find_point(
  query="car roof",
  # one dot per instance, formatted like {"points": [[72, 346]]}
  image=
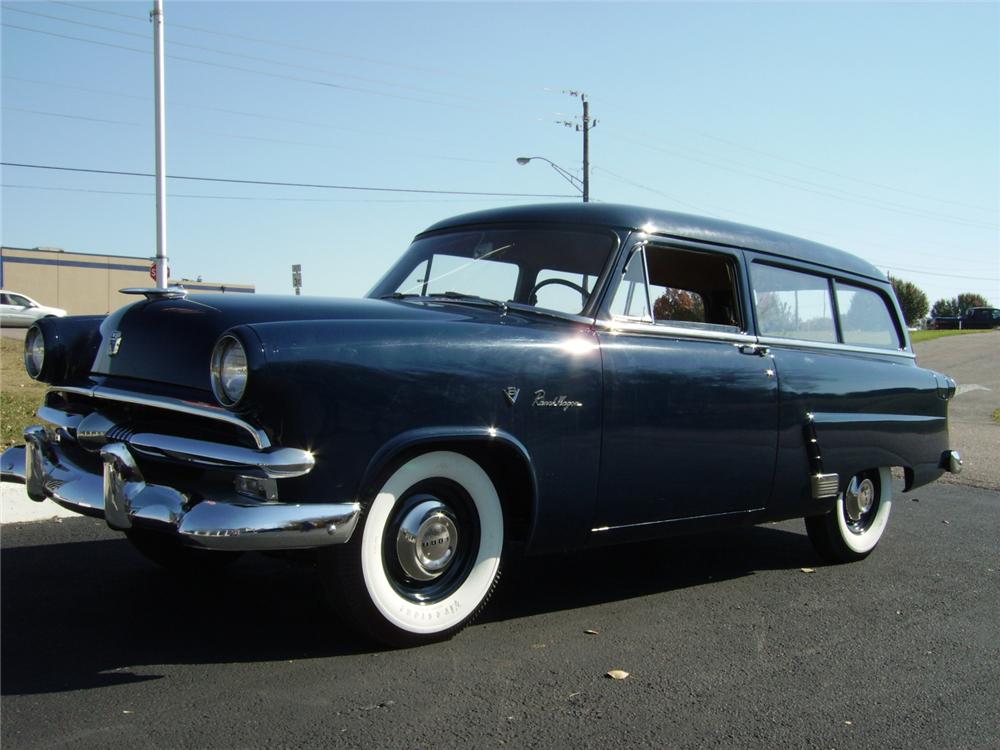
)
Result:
{"points": [[671, 224]]}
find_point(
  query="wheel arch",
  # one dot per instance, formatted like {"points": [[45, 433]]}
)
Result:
{"points": [[504, 458]]}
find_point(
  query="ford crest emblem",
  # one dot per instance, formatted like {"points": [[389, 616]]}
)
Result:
{"points": [[114, 343]]}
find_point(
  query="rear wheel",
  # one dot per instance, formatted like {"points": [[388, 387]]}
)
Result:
{"points": [[856, 524], [426, 557], [168, 553]]}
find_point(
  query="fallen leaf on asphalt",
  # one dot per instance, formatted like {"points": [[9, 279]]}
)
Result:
{"points": [[126, 711], [590, 631], [849, 723], [808, 570], [573, 695], [617, 674]]}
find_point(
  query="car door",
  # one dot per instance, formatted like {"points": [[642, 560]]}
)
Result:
{"points": [[19, 310], [9, 312], [690, 414]]}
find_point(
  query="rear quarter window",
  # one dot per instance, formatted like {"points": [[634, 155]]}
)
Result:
{"points": [[865, 319]]}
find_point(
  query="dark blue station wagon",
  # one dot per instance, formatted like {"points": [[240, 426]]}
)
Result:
{"points": [[533, 379]]}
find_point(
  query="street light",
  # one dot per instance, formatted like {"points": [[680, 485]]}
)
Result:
{"points": [[568, 176]]}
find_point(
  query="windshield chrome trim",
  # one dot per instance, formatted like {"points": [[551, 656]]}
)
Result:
{"points": [[170, 404]]}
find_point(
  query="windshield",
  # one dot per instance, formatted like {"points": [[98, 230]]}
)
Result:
{"points": [[552, 269]]}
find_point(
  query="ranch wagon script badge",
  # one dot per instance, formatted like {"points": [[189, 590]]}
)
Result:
{"points": [[558, 402]]}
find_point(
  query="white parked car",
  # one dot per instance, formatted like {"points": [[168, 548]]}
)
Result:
{"points": [[20, 310]]}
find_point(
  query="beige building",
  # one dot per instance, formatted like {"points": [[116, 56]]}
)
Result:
{"points": [[84, 283]]}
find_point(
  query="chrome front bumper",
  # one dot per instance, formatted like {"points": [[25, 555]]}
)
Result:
{"points": [[118, 492]]}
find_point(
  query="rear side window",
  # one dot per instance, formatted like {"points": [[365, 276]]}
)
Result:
{"points": [[793, 305], [865, 319]]}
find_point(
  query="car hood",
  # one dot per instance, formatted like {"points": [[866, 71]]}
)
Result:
{"points": [[170, 340]]}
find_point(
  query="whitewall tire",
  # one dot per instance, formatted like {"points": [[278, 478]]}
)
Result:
{"points": [[427, 555], [858, 521]]}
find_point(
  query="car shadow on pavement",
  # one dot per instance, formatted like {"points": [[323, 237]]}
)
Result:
{"points": [[93, 613], [537, 585]]}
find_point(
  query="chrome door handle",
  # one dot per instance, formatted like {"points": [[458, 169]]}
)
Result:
{"points": [[758, 349]]}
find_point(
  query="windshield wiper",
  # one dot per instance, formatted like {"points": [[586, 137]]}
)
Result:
{"points": [[399, 295], [463, 297], [457, 296]]}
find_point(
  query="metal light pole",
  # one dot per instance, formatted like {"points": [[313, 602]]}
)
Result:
{"points": [[586, 149], [565, 174], [162, 265]]}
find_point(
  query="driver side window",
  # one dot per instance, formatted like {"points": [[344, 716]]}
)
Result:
{"points": [[680, 288]]}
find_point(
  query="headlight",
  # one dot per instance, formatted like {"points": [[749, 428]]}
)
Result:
{"points": [[34, 352], [229, 370]]}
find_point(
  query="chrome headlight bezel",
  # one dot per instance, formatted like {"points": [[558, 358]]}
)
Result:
{"points": [[34, 352], [229, 370]]}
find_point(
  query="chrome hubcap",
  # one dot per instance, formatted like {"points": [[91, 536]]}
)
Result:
{"points": [[427, 541], [859, 499]]}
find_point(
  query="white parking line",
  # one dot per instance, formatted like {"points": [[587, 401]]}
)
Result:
{"points": [[17, 507]]}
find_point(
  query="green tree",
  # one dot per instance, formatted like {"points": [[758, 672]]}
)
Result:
{"points": [[968, 300], [957, 306], [944, 308], [912, 300]]}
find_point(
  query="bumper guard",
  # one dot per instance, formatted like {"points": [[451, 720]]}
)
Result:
{"points": [[121, 496]]}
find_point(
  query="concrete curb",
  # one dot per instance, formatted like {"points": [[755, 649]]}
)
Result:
{"points": [[17, 507]]}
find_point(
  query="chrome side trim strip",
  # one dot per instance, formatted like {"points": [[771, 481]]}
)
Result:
{"points": [[675, 520], [664, 330], [835, 347], [170, 404]]}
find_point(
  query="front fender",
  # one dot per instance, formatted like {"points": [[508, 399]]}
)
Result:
{"points": [[474, 440]]}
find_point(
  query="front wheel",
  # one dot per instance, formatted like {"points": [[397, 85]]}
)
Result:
{"points": [[426, 557], [856, 524]]}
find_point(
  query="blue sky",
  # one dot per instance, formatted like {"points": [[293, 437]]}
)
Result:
{"points": [[871, 127]]}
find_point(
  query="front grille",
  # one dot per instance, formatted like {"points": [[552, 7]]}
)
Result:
{"points": [[130, 418]]}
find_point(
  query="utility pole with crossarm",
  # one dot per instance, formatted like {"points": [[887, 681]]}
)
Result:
{"points": [[586, 125]]}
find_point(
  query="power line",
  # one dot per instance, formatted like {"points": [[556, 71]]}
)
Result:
{"points": [[823, 190], [276, 183], [268, 199], [256, 58], [893, 267], [833, 238], [841, 175], [224, 66], [263, 40], [230, 134]]}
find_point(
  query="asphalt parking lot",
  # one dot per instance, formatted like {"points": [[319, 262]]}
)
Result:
{"points": [[727, 641], [742, 639]]}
